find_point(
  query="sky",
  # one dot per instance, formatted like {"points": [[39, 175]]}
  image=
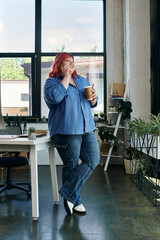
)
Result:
{"points": [[76, 24]]}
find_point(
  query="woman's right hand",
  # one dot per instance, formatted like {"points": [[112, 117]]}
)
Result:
{"points": [[67, 71], [67, 74]]}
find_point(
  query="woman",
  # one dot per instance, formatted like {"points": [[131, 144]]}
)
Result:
{"points": [[71, 128]]}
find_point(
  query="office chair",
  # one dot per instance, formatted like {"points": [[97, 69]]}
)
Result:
{"points": [[13, 161]]}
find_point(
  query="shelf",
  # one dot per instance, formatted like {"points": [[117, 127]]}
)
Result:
{"points": [[105, 155], [113, 126], [115, 118], [113, 112]]}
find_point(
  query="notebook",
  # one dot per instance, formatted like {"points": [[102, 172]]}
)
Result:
{"points": [[8, 136]]}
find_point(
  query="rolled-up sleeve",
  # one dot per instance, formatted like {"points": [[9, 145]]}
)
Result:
{"points": [[54, 91]]}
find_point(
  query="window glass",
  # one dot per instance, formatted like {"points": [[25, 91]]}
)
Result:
{"points": [[17, 24], [89, 67], [15, 86], [74, 26]]}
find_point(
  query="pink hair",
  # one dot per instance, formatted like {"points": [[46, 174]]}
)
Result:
{"points": [[59, 59]]}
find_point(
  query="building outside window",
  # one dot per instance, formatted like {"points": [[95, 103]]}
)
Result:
{"points": [[15, 85]]}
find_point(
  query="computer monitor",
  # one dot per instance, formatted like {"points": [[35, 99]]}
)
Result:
{"points": [[2, 124]]}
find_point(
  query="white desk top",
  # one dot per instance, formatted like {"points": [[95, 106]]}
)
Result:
{"points": [[25, 141]]}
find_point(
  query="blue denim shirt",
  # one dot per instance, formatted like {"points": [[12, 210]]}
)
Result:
{"points": [[70, 111]]}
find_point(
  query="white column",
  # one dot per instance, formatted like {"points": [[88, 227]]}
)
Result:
{"points": [[139, 84], [126, 34]]}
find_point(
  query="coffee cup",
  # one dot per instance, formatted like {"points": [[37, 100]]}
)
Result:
{"points": [[88, 92]]}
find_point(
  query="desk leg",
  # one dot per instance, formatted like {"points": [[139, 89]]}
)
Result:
{"points": [[53, 174], [34, 182]]}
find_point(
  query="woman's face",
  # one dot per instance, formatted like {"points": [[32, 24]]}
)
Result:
{"points": [[69, 62]]}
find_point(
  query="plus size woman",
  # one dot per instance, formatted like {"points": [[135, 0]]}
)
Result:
{"points": [[71, 127]]}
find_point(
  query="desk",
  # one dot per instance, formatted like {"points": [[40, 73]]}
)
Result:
{"points": [[33, 146]]}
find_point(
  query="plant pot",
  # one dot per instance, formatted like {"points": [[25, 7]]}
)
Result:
{"points": [[102, 118], [131, 166], [32, 136], [104, 147], [96, 118]]}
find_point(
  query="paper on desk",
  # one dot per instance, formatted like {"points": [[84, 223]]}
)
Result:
{"points": [[8, 137]]}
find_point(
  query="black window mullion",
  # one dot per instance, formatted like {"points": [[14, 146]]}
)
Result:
{"points": [[36, 85], [32, 86], [88, 54], [12, 55]]}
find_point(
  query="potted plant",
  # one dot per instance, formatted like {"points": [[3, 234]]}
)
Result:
{"points": [[126, 108], [96, 117], [108, 138], [137, 128], [131, 163], [44, 118], [102, 115], [31, 133], [145, 135]]}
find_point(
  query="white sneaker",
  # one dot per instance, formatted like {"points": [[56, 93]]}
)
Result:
{"points": [[68, 206], [80, 209]]}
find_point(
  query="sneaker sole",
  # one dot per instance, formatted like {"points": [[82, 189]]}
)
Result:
{"points": [[79, 212]]}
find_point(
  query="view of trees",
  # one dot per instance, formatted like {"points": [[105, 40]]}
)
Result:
{"points": [[10, 68]]}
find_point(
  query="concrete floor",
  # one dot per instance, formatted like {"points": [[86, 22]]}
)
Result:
{"points": [[116, 210]]}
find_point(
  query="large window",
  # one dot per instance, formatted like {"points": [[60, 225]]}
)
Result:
{"points": [[74, 26], [32, 32], [17, 24]]}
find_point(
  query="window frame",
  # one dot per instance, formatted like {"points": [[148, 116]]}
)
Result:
{"points": [[36, 60]]}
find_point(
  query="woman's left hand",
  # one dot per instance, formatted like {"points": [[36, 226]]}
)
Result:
{"points": [[94, 96]]}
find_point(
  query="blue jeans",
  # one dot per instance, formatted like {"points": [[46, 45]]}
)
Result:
{"points": [[71, 148]]}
